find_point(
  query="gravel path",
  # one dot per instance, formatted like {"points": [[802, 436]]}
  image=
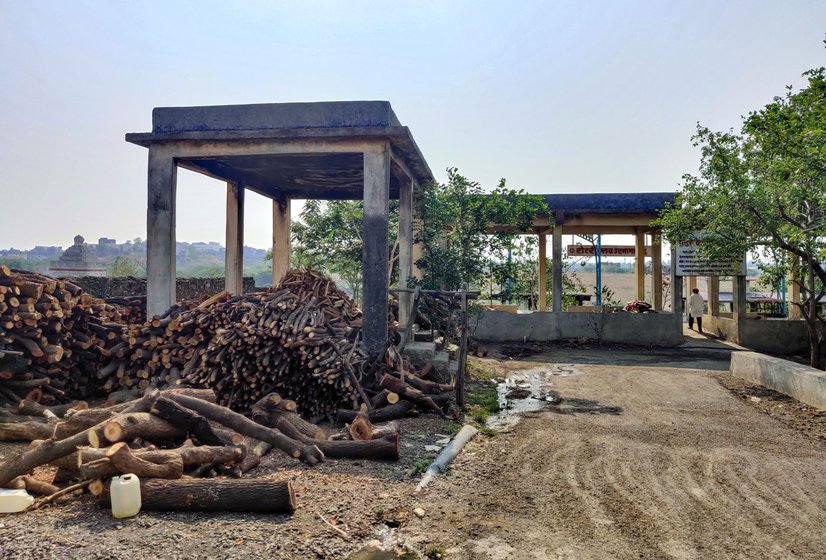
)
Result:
{"points": [[637, 462]]}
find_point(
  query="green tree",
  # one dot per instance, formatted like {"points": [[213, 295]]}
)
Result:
{"points": [[123, 266], [455, 235], [764, 190], [329, 238]]}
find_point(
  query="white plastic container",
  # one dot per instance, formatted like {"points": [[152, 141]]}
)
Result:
{"points": [[126, 495], [13, 501]]}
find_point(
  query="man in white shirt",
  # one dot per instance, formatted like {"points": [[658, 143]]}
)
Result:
{"points": [[695, 310]]}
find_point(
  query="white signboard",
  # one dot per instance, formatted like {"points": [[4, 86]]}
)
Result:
{"points": [[691, 262], [580, 250]]}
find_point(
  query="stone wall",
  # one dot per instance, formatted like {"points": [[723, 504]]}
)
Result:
{"points": [[186, 288]]}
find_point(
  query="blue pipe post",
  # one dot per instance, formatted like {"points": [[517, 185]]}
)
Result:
{"points": [[599, 269]]}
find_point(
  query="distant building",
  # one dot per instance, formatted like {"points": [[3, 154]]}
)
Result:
{"points": [[77, 260]]}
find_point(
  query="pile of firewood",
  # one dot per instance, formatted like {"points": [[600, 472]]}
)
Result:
{"points": [[299, 339], [167, 438], [53, 337]]}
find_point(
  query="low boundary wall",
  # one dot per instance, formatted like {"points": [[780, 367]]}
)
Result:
{"points": [[804, 383], [785, 337], [644, 329], [185, 288]]}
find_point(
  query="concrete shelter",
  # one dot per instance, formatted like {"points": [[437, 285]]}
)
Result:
{"points": [[598, 214], [329, 150]]}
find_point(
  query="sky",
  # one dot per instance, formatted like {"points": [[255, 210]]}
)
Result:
{"points": [[598, 96]]}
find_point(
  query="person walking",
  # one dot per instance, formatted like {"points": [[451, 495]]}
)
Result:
{"points": [[695, 310]]}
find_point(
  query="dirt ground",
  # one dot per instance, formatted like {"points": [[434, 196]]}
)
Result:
{"points": [[640, 453], [636, 462], [357, 496]]}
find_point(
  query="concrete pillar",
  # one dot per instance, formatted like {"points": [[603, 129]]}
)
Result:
{"points": [[405, 247], [676, 292], [160, 230], [234, 255], [280, 238], [714, 296], [557, 268], [692, 283], [793, 311], [543, 272], [639, 265], [375, 279], [739, 305], [657, 271]]}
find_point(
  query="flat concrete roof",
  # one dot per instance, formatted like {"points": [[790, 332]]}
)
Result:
{"points": [[610, 203], [303, 175]]}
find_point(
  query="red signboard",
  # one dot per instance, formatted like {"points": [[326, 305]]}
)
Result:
{"points": [[580, 250]]}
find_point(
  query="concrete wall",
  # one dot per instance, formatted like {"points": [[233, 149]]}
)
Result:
{"points": [[647, 329], [776, 337], [186, 288], [806, 384]]}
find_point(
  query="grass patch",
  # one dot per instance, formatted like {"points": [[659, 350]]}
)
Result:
{"points": [[479, 416], [452, 428], [435, 552], [481, 371], [489, 432], [421, 465], [484, 395]]}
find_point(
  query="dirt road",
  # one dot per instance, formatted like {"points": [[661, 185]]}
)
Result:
{"points": [[637, 462]]}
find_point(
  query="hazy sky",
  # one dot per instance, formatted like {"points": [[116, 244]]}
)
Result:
{"points": [[554, 96]]}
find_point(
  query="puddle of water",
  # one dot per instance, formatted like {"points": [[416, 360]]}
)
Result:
{"points": [[528, 390]]}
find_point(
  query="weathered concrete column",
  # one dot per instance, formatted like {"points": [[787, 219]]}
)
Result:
{"points": [[160, 230], [639, 265], [657, 271], [692, 283], [375, 280], [556, 265], [714, 296], [234, 255], [676, 292], [739, 305], [280, 238], [543, 272], [418, 248], [405, 247]]}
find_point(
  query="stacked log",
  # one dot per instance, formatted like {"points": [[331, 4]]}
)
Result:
{"points": [[53, 338], [299, 339], [164, 435]]}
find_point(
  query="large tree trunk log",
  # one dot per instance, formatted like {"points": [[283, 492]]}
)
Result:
{"points": [[384, 398], [25, 431], [360, 428], [187, 421], [45, 452], [33, 485], [398, 386], [92, 461], [27, 406], [254, 450], [243, 425], [271, 408], [84, 419], [425, 386], [172, 466], [401, 409], [247, 495], [372, 449], [126, 427]]}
